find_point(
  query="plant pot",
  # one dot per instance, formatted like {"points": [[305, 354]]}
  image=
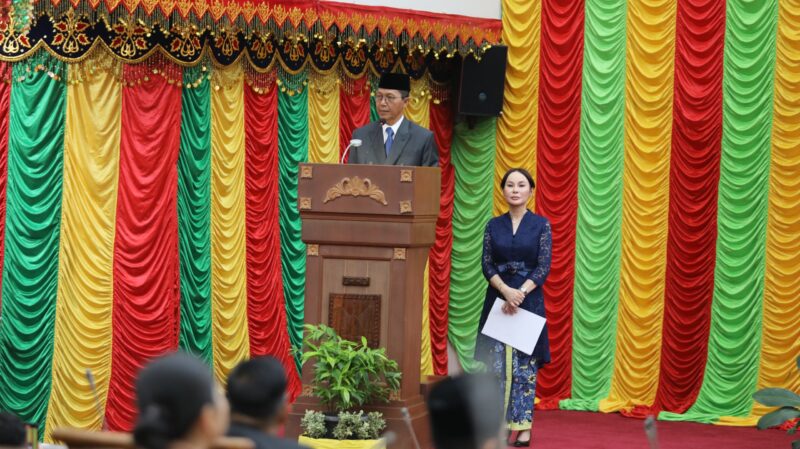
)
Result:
{"points": [[331, 420], [325, 443]]}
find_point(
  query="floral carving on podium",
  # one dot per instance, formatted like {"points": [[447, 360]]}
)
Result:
{"points": [[356, 187]]}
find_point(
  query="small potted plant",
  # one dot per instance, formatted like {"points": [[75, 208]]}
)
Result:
{"points": [[346, 376]]}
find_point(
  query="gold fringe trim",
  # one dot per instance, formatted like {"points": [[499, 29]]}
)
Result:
{"points": [[160, 63]]}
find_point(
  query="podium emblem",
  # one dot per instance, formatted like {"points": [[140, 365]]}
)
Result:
{"points": [[355, 186]]}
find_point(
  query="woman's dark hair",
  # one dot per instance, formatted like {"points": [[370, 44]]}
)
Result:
{"points": [[170, 392], [521, 171]]}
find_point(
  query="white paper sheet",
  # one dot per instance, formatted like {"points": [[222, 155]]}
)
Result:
{"points": [[520, 331]]}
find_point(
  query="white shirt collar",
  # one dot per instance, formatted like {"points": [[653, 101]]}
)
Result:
{"points": [[394, 127]]}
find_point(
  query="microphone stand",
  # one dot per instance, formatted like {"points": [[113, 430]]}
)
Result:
{"points": [[93, 388]]}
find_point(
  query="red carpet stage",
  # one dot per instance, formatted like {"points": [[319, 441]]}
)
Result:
{"points": [[584, 430]]}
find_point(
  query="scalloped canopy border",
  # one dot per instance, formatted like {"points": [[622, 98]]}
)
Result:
{"points": [[326, 33]]}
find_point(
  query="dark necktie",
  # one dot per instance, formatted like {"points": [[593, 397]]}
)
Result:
{"points": [[389, 140]]}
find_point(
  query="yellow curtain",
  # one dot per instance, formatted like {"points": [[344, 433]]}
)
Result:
{"points": [[85, 288], [780, 340], [426, 364], [517, 127], [228, 245], [323, 118], [645, 204], [419, 105]]}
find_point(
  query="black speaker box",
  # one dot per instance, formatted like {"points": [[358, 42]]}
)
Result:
{"points": [[481, 83]]}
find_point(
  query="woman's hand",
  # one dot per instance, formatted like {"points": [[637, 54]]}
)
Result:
{"points": [[513, 296], [508, 309]]}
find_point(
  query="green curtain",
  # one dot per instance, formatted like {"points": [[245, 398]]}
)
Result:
{"points": [[598, 232], [33, 223], [473, 153], [373, 107], [373, 110], [734, 343], [194, 215], [292, 150]]}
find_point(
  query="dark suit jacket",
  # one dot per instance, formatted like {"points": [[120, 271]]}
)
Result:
{"points": [[413, 145], [261, 439]]}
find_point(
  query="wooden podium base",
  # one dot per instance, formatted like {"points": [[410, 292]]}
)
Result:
{"points": [[392, 413]]}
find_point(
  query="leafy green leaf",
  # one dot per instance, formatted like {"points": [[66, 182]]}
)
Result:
{"points": [[348, 373], [777, 397], [778, 417]]}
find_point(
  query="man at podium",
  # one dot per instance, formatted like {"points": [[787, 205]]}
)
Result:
{"points": [[394, 140]]}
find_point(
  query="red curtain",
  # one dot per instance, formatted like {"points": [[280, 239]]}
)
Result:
{"points": [[5, 98], [439, 257], [558, 147], [694, 175], [146, 278], [424, 21], [266, 317], [353, 110]]}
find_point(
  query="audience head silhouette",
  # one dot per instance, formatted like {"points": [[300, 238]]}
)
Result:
{"points": [[12, 430], [257, 391], [466, 412], [179, 404]]}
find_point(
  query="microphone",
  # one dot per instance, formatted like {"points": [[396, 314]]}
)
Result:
{"points": [[355, 143], [407, 420], [650, 431], [386, 440], [93, 387]]}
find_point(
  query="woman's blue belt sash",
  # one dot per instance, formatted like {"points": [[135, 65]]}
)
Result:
{"points": [[520, 268]]}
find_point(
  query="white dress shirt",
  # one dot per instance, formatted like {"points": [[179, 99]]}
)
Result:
{"points": [[394, 127]]}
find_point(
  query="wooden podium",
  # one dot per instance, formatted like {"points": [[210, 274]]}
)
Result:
{"points": [[368, 229]]}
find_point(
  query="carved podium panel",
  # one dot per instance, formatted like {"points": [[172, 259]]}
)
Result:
{"points": [[356, 316], [368, 230]]}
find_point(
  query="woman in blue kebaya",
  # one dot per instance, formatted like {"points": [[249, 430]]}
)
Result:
{"points": [[516, 261]]}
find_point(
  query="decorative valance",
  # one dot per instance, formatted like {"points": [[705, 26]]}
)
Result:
{"points": [[292, 33]]}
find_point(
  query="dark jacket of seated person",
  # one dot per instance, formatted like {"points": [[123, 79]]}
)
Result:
{"points": [[259, 406], [12, 431]]}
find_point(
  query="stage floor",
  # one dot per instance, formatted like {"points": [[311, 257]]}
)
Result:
{"points": [[584, 430]]}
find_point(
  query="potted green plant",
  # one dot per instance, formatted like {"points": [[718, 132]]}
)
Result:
{"points": [[789, 408], [346, 376]]}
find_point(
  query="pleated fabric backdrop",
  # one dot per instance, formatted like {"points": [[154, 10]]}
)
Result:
{"points": [[139, 217]]}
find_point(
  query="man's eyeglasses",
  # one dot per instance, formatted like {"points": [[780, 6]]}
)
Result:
{"points": [[389, 98]]}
